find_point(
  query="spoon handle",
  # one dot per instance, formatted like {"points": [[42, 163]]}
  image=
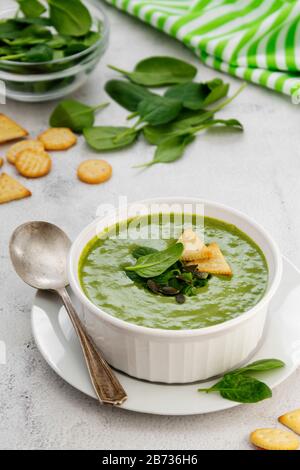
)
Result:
{"points": [[106, 385]]}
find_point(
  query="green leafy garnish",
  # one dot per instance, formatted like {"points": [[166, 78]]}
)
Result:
{"points": [[238, 386], [159, 71], [75, 115], [156, 263], [176, 280]]}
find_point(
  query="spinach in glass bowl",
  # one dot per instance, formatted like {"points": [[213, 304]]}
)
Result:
{"points": [[48, 49]]}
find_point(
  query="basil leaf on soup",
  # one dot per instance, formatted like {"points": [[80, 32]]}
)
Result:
{"points": [[156, 263], [142, 251], [159, 71]]}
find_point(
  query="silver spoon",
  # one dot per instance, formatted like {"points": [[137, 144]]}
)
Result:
{"points": [[39, 252]]}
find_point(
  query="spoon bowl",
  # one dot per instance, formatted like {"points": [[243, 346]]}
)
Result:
{"points": [[39, 252]]}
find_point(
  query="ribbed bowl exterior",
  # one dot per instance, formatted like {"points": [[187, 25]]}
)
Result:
{"points": [[179, 360]]}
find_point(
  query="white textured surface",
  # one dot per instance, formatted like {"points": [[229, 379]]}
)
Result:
{"points": [[257, 172]]}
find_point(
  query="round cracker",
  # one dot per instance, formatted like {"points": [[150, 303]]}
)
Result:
{"points": [[15, 149], [274, 439], [33, 164], [58, 138], [94, 171]]}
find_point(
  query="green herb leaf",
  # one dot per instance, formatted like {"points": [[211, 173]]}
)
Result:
{"points": [[40, 53], [10, 29], [155, 264], [36, 30], [156, 135], [75, 115], [38, 20], [240, 388], [31, 8], [157, 110], [91, 38], [159, 71], [171, 149], [58, 41], [70, 17], [142, 251], [192, 95], [218, 90], [127, 94], [108, 137], [260, 366]]}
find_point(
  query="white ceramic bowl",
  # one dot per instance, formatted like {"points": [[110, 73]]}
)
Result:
{"points": [[178, 356]]}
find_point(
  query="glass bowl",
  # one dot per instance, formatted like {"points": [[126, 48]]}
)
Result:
{"points": [[44, 81]]}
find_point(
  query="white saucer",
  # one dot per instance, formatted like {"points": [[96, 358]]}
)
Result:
{"points": [[59, 346]]}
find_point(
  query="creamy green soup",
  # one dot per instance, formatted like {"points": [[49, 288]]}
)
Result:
{"points": [[106, 284]]}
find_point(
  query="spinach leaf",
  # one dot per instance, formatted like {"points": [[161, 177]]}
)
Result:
{"points": [[195, 96], [36, 30], [108, 137], [170, 150], [91, 38], [70, 17], [260, 366], [127, 94], [31, 8], [156, 135], [159, 71], [40, 53], [58, 41], [240, 388], [37, 20], [74, 48], [157, 110], [192, 95], [75, 115], [155, 264], [218, 90], [10, 29], [142, 251]]}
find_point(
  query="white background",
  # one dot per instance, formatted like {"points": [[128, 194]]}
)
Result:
{"points": [[256, 172]]}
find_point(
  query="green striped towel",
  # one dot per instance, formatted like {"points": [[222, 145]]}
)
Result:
{"points": [[256, 40]]}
